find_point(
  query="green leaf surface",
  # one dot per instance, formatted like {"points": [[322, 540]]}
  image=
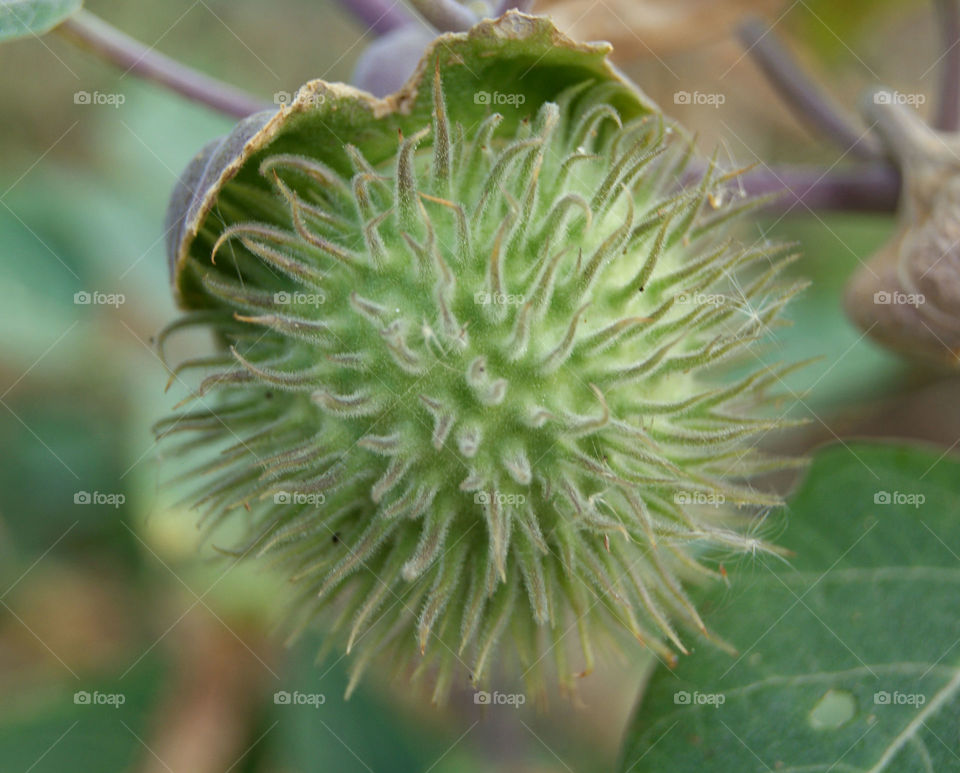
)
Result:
{"points": [[849, 656], [56, 729], [352, 736], [22, 18]]}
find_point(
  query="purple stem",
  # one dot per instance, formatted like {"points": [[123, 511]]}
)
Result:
{"points": [[947, 117], [380, 16], [445, 15], [873, 187], [91, 32], [809, 103]]}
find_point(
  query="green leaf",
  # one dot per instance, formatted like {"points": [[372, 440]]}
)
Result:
{"points": [[22, 18], [50, 729], [849, 657]]}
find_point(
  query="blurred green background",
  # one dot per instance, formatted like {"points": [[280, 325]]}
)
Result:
{"points": [[117, 600]]}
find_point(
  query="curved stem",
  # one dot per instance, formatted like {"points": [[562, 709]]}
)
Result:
{"points": [[807, 100], [947, 116], [89, 31], [380, 16], [445, 15], [873, 187]]}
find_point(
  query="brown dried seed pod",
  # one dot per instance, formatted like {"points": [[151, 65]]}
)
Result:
{"points": [[907, 296]]}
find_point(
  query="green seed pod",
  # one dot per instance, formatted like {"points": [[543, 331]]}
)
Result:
{"points": [[470, 385]]}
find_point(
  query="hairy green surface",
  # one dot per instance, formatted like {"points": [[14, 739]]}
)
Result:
{"points": [[469, 391], [848, 659]]}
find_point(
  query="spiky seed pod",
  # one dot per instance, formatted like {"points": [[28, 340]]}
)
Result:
{"points": [[471, 389]]}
